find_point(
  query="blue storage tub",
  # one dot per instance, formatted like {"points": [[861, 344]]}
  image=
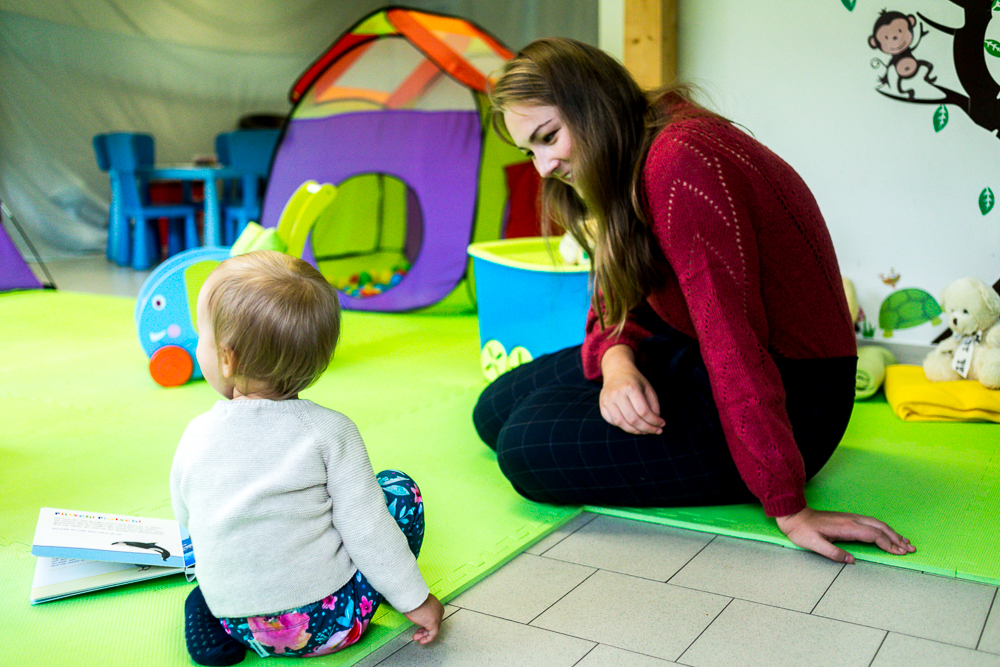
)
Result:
{"points": [[530, 302]]}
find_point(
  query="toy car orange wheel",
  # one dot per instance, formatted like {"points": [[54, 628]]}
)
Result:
{"points": [[171, 366]]}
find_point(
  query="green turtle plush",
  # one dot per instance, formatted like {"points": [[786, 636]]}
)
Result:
{"points": [[907, 308]]}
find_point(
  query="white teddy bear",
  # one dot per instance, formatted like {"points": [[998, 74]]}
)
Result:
{"points": [[972, 310], [571, 251]]}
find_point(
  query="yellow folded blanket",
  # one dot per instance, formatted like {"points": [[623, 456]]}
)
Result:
{"points": [[915, 398], [872, 362]]}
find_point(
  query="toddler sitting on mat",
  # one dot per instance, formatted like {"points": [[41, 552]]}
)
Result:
{"points": [[297, 540]]}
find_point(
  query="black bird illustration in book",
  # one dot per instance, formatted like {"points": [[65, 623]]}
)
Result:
{"points": [[147, 545]]}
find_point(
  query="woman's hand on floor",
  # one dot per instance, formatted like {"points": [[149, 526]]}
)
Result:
{"points": [[428, 619], [627, 399], [816, 530]]}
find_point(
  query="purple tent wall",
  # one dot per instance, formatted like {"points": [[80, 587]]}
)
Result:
{"points": [[14, 271], [436, 153]]}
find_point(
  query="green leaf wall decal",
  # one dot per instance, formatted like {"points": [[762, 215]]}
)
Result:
{"points": [[941, 116], [986, 201], [996, 5], [992, 47], [850, 4]]}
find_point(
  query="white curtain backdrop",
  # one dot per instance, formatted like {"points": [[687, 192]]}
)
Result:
{"points": [[181, 70]]}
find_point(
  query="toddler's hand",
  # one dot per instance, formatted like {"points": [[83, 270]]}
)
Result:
{"points": [[428, 616]]}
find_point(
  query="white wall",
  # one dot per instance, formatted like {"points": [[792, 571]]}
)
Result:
{"points": [[611, 27], [895, 194]]}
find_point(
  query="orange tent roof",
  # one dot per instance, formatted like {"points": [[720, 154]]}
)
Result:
{"points": [[446, 41]]}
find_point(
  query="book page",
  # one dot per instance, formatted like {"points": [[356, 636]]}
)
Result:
{"points": [[73, 531], [50, 571], [61, 577]]}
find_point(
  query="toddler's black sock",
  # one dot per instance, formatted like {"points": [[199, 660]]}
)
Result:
{"points": [[207, 641]]}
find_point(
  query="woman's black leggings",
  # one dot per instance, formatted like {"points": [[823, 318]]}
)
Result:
{"points": [[544, 422]]}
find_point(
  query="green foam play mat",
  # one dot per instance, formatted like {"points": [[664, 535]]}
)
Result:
{"points": [[83, 426]]}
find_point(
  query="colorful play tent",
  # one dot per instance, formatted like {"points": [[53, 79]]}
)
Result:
{"points": [[14, 271], [394, 115]]}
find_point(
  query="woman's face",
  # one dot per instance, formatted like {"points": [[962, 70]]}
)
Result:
{"points": [[541, 134]]}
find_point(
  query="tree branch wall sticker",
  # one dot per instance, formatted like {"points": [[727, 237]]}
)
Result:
{"points": [[986, 201], [897, 35], [893, 35]]}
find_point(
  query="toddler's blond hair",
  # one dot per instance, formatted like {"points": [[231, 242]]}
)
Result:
{"points": [[278, 317]]}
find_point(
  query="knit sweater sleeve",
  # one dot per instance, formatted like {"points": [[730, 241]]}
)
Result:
{"points": [[698, 203], [369, 533], [598, 340]]}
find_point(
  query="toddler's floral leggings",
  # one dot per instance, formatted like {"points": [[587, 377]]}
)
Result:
{"points": [[338, 620]]}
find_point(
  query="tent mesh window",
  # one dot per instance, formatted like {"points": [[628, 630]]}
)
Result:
{"points": [[367, 240]]}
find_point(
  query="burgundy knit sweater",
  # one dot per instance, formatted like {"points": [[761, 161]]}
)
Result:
{"points": [[752, 275]]}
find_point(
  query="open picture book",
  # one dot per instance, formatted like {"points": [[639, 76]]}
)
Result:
{"points": [[79, 552]]}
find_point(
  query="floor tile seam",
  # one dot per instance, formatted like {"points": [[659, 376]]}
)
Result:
{"points": [[625, 650], [553, 546], [401, 646], [828, 587], [678, 658], [584, 656], [572, 532], [563, 596], [535, 627], [624, 574], [688, 561], [885, 632], [694, 641], [827, 618], [652, 579], [593, 517], [448, 613], [938, 641], [742, 599], [880, 645], [915, 572], [898, 632], [390, 654], [827, 591], [986, 620]]}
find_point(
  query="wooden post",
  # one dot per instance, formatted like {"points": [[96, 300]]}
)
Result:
{"points": [[650, 48]]}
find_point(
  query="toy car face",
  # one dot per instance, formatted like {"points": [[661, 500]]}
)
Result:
{"points": [[165, 314]]}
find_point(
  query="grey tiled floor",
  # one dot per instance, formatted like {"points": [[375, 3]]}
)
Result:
{"points": [[607, 591]]}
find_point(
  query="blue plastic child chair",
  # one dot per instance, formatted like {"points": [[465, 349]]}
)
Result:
{"points": [[250, 152], [121, 154]]}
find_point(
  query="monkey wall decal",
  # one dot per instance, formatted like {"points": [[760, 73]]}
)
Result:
{"points": [[893, 34]]}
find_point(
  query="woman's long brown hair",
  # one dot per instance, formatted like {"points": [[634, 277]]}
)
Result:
{"points": [[612, 123]]}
